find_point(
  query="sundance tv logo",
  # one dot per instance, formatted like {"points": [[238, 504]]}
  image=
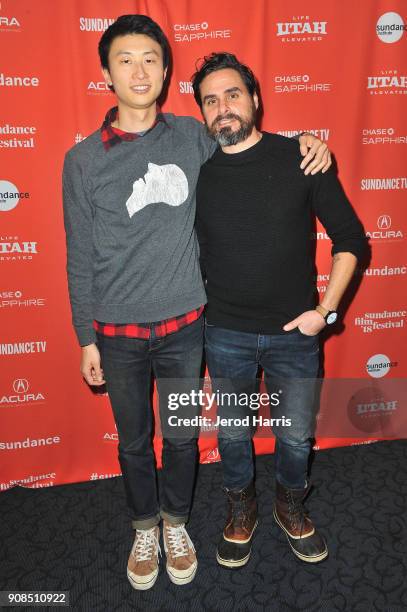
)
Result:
{"points": [[383, 184], [301, 29], [390, 27], [95, 24], [322, 133], [192, 32]]}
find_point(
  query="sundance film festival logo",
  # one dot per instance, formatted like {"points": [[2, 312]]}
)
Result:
{"points": [[387, 83], [382, 136], [380, 321], [191, 32], [301, 29], [10, 196], [21, 395], [11, 249], [383, 184], [390, 27], [298, 83], [95, 24], [12, 136], [379, 365], [384, 230]]}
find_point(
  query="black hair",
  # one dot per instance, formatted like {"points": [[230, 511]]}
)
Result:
{"points": [[219, 61], [133, 24]]}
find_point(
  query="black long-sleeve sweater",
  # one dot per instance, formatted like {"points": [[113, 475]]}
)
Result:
{"points": [[255, 220]]}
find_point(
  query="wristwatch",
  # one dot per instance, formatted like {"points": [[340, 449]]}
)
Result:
{"points": [[330, 316]]}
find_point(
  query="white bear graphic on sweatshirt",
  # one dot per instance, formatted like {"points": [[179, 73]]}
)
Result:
{"points": [[167, 184]]}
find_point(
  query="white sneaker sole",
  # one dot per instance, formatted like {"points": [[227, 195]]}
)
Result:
{"points": [[142, 586], [184, 579]]}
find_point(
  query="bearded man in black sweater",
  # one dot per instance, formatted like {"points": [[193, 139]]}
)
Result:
{"points": [[255, 215]]}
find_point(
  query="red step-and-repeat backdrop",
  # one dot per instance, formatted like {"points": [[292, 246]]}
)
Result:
{"points": [[336, 69]]}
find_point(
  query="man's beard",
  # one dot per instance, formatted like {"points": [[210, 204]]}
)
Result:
{"points": [[226, 137]]}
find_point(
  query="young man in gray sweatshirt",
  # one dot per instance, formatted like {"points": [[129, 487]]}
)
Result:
{"points": [[135, 286]]}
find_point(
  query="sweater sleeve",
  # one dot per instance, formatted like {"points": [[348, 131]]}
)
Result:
{"points": [[78, 219], [336, 214]]}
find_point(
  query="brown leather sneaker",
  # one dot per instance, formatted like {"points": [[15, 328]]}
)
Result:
{"points": [[289, 513], [234, 547], [142, 567], [181, 558]]}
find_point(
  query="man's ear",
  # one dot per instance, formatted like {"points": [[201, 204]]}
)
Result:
{"points": [[256, 100], [106, 76]]}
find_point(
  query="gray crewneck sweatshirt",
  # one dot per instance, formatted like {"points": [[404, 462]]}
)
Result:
{"points": [[129, 212]]}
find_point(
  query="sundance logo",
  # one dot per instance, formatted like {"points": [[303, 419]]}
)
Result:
{"points": [[191, 32], [301, 29], [30, 443], [379, 365], [390, 27], [10, 196]]}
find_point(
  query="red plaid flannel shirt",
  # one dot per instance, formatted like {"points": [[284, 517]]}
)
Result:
{"points": [[110, 137]]}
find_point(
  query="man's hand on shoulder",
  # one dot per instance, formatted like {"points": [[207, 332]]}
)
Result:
{"points": [[317, 157], [90, 365]]}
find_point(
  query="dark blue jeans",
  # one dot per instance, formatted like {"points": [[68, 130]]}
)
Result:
{"points": [[290, 363], [128, 365]]}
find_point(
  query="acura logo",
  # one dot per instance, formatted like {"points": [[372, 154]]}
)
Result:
{"points": [[384, 222], [20, 385]]}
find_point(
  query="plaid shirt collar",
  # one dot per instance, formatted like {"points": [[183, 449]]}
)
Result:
{"points": [[112, 136]]}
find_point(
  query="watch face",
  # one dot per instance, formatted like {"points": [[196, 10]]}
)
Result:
{"points": [[331, 318]]}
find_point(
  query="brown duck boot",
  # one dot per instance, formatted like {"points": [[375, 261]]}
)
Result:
{"points": [[305, 541], [235, 546]]}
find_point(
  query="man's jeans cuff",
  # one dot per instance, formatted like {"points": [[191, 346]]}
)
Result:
{"points": [[171, 518], [147, 523]]}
